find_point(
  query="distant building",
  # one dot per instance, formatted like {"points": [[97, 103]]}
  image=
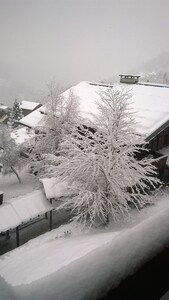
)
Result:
{"points": [[4, 113], [130, 79], [28, 107], [33, 119], [149, 101]]}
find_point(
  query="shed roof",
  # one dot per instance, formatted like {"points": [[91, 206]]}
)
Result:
{"points": [[22, 209], [9, 219]]}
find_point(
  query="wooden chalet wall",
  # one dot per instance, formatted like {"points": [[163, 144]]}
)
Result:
{"points": [[161, 140], [26, 112]]}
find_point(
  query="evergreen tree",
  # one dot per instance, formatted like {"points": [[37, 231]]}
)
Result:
{"points": [[15, 114]]}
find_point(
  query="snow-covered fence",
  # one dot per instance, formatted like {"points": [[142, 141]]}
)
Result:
{"points": [[20, 210]]}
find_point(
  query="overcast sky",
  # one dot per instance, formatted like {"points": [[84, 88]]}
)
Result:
{"points": [[75, 40]]}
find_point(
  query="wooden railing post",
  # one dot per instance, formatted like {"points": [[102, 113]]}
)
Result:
{"points": [[17, 236], [50, 219]]}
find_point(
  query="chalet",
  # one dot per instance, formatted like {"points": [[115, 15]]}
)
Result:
{"points": [[28, 107], [4, 112], [33, 119], [149, 101]]}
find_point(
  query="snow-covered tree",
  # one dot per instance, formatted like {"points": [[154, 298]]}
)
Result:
{"points": [[9, 153], [15, 114], [59, 116], [101, 165]]}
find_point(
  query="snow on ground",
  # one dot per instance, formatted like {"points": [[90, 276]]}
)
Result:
{"points": [[84, 266], [12, 188], [49, 257], [5, 291], [22, 134]]}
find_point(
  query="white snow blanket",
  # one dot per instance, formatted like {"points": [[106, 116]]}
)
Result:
{"points": [[54, 188], [149, 102], [9, 219], [84, 266], [21, 135], [30, 205]]}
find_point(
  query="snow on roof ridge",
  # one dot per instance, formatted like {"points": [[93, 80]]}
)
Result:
{"points": [[100, 84], [91, 83], [153, 84]]}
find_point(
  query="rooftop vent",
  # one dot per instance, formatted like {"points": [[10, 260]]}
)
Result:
{"points": [[131, 79]]}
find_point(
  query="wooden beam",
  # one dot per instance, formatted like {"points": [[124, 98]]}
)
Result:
{"points": [[17, 236], [50, 219]]}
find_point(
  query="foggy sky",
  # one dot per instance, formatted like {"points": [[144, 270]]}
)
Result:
{"points": [[75, 40]]}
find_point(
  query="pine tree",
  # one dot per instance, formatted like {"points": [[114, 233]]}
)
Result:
{"points": [[15, 115]]}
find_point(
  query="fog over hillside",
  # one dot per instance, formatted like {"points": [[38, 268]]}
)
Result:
{"points": [[159, 63], [155, 70], [11, 90]]}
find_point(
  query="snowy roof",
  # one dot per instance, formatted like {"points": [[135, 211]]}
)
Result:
{"points": [[150, 102], [33, 119], [30, 205], [8, 217], [29, 105], [18, 210], [2, 106], [54, 188], [21, 135]]}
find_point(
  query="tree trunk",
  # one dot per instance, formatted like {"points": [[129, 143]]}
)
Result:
{"points": [[106, 222], [16, 173]]}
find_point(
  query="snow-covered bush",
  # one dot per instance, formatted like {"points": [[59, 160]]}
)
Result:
{"points": [[101, 164]]}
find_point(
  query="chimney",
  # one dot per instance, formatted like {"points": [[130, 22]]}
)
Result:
{"points": [[130, 79]]}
